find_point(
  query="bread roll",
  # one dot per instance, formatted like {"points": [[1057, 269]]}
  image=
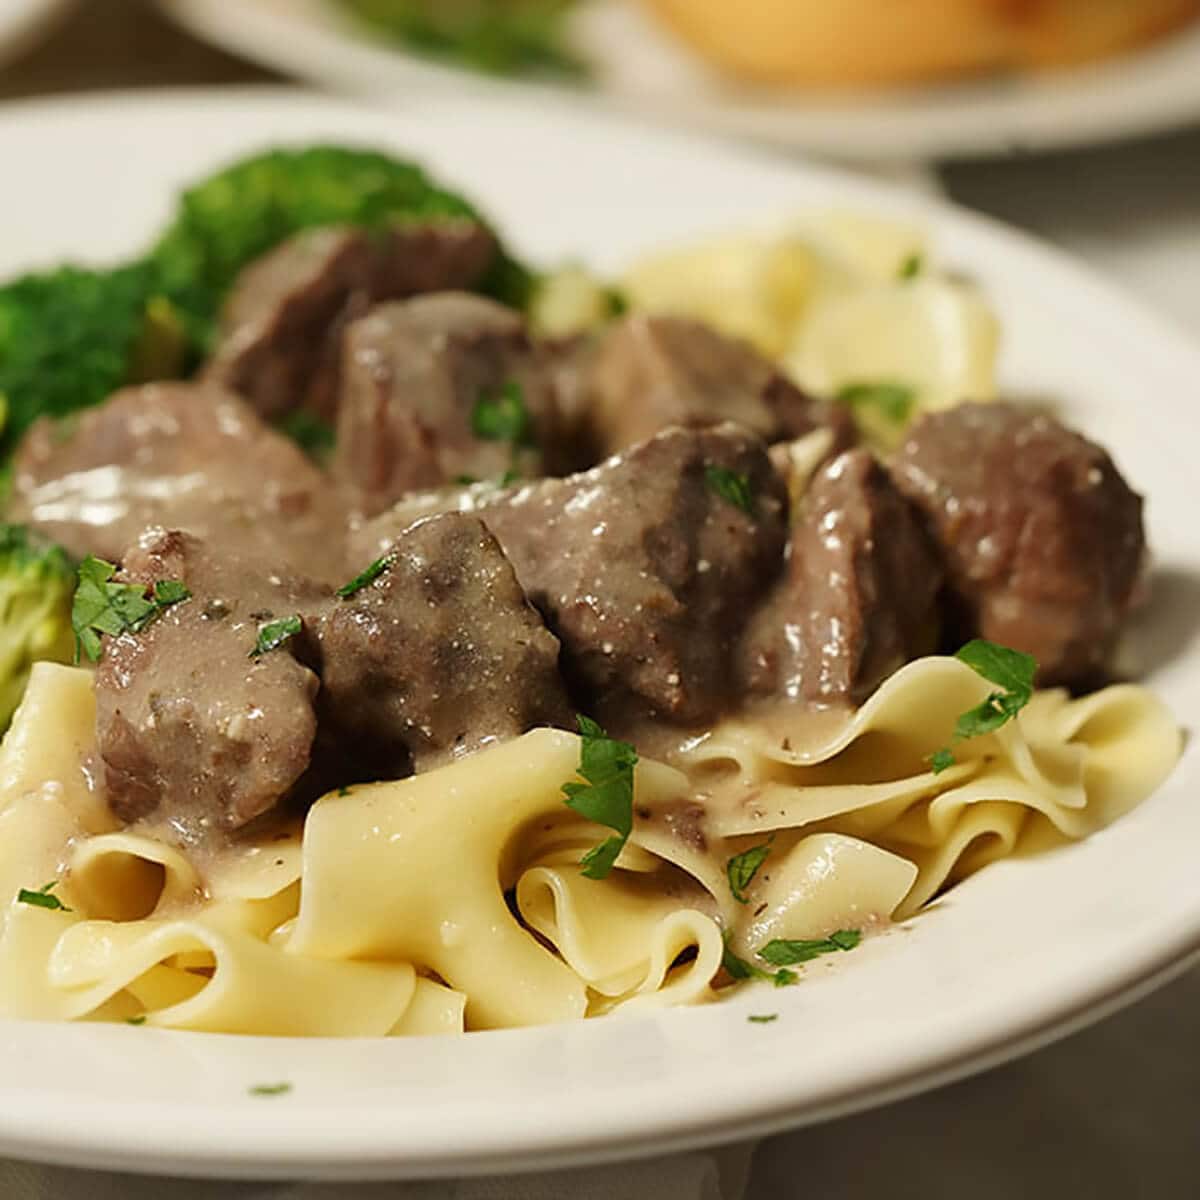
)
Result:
{"points": [[851, 42]]}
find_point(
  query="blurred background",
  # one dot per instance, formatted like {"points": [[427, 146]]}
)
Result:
{"points": [[1102, 158]]}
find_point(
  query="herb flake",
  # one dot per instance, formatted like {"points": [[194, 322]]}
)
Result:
{"points": [[607, 796], [43, 897], [138, 1020], [742, 868], [784, 952], [270, 1089], [911, 267], [101, 606], [503, 417], [732, 486], [894, 402], [273, 634], [741, 970], [365, 577], [1013, 672], [762, 1019]]}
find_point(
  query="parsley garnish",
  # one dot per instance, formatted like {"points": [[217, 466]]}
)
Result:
{"points": [[270, 1089], [101, 606], [1013, 671], [732, 486], [742, 868], [740, 969], [314, 436], [366, 577], [764, 1019], [782, 952], [893, 401], [607, 796], [911, 267], [504, 417], [140, 1020], [42, 898], [272, 635]]}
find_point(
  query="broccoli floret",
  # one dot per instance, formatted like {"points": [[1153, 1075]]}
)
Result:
{"points": [[69, 338], [231, 218], [37, 584]]}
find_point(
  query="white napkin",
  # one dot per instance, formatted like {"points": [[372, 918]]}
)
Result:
{"points": [[714, 1175]]}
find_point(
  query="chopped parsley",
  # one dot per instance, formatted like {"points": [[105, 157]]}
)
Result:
{"points": [[273, 634], [503, 417], [139, 1020], [270, 1089], [1013, 672], [732, 486], [314, 436], [365, 578], [894, 402], [782, 952], [104, 607], [763, 1019], [607, 796], [43, 897], [911, 267], [742, 868], [741, 970]]}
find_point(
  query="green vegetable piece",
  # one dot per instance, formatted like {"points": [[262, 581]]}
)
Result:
{"points": [[37, 582], [732, 486], [273, 634], [764, 1019], [743, 971], [503, 418], [911, 267], [42, 898], [607, 797], [518, 37], [1013, 671], [104, 607], [161, 350], [270, 1089], [742, 868], [894, 402], [783, 952], [314, 436], [365, 577]]}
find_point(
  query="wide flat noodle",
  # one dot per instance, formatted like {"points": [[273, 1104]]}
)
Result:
{"points": [[456, 900]]}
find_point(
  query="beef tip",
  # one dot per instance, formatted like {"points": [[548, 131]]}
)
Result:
{"points": [[438, 656], [1041, 536], [641, 567], [280, 338], [415, 374], [191, 729], [181, 456], [860, 595], [650, 372]]}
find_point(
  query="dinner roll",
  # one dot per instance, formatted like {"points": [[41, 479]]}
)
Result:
{"points": [[816, 42]]}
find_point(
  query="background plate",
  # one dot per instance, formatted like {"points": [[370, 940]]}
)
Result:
{"points": [[1024, 951], [642, 69]]}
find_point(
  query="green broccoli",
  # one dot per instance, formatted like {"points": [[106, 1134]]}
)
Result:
{"points": [[520, 37], [37, 583], [231, 218], [70, 337]]}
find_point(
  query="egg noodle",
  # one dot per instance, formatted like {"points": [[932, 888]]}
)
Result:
{"points": [[455, 899]]}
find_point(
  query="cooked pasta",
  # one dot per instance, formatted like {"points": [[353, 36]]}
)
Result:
{"points": [[388, 912]]}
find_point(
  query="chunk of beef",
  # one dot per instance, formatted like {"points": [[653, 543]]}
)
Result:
{"points": [[192, 729], [650, 372], [182, 456], [414, 374], [280, 340], [1041, 536], [860, 596], [642, 568], [440, 655]]}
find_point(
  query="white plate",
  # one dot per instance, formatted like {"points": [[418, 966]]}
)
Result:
{"points": [[641, 69], [1022, 952], [23, 22]]}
